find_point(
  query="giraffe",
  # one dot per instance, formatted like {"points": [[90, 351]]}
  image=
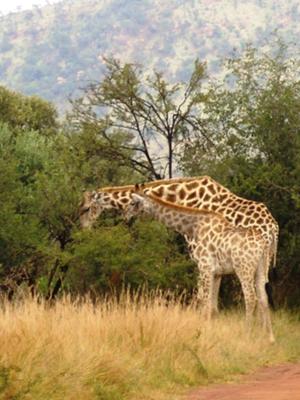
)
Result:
{"points": [[201, 192], [219, 248]]}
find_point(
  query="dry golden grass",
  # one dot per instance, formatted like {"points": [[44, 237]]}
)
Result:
{"points": [[135, 349]]}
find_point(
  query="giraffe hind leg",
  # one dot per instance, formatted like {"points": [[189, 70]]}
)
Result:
{"points": [[263, 303], [249, 293]]}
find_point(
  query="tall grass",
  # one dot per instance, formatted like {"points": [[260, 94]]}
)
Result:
{"points": [[137, 348]]}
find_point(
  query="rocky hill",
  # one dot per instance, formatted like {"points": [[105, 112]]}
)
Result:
{"points": [[54, 50]]}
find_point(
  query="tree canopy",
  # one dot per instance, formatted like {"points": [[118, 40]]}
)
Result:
{"points": [[155, 116], [27, 112]]}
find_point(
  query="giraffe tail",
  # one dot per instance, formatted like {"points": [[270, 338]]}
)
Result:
{"points": [[274, 248], [265, 265], [266, 261]]}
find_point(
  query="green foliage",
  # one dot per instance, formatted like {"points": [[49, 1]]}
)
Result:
{"points": [[94, 161], [145, 254], [23, 113], [21, 236]]}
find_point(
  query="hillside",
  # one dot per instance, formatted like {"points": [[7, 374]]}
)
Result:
{"points": [[54, 50]]}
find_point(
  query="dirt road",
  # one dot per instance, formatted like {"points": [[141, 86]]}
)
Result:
{"points": [[272, 383]]}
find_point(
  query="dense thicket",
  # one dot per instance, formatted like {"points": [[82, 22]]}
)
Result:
{"points": [[243, 131], [40, 189], [253, 119]]}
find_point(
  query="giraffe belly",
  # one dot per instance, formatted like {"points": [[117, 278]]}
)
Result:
{"points": [[223, 266]]}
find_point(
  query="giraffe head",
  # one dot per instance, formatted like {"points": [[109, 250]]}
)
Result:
{"points": [[88, 209], [94, 203], [137, 205]]}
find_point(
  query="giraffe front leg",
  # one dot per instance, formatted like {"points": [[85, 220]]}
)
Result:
{"points": [[215, 294], [205, 290]]}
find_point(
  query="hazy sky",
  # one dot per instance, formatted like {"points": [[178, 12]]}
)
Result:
{"points": [[12, 5]]}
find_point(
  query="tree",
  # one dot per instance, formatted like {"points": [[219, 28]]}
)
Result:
{"points": [[254, 118], [24, 113], [22, 239], [156, 117]]}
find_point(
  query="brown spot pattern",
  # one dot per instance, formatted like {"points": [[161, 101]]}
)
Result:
{"points": [[192, 185], [158, 192], [191, 196], [201, 192], [212, 189], [182, 194]]}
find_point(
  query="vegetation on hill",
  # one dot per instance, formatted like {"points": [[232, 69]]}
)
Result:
{"points": [[52, 51]]}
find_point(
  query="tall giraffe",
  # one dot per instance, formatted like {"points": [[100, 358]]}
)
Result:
{"points": [[219, 248], [200, 192]]}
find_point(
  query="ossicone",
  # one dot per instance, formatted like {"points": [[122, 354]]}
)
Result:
{"points": [[138, 187]]}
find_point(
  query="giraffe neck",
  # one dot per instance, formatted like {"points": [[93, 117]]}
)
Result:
{"points": [[184, 221], [118, 198], [184, 191]]}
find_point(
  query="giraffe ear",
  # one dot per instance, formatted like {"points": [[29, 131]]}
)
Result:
{"points": [[95, 195], [137, 187], [137, 199]]}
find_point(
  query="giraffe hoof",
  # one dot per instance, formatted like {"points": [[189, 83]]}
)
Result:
{"points": [[272, 340]]}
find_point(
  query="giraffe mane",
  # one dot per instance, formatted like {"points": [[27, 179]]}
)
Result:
{"points": [[152, 183], [111, 189]]}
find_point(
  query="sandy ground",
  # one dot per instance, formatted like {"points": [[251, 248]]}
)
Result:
{"points": [[271, 383]]}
